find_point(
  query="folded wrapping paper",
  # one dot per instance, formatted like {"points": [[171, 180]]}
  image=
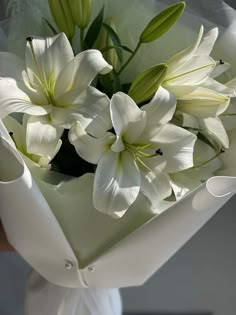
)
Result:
{"points": [[34, 231]]}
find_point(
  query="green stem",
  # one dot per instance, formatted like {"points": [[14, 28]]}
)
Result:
{"points": [[130, 58], [232, 114], [82, 39], [208, 161]]}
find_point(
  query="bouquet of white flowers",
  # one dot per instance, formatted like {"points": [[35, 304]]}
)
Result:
{"points": [[110, 144]]}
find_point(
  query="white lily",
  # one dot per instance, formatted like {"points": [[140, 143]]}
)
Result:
{"points": [[206, 163], [200, 98], [138, 157], [54, 83], [193, 65], [18, 134]]}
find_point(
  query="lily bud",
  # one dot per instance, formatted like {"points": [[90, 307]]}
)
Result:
{"points": [[160, 24], [81, 11], [147, 83], [105, 41], [62, 16]]}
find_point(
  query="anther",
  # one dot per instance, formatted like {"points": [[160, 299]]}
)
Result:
{"points": [[159, 152], [29, 39], [222, 62]]}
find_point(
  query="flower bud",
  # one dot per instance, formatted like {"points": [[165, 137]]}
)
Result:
{"points": [[81, 11], [160, 24], [62, 16], [147, 83], [105, 41]]}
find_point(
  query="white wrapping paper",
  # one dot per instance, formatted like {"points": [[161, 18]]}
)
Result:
{"points": [[34, 230]]}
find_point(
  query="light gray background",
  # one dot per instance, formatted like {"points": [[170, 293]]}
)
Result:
{"points": [[201, 277]]}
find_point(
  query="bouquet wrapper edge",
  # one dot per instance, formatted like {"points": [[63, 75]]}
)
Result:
{"points": [[34, 232], [30, 224]]}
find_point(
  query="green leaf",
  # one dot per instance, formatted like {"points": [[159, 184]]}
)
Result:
{"points": [[116, 41], [162, 22], [105, 49], [94, 30], [147, 83], [54, 31], [127, 49], [114, 37]]}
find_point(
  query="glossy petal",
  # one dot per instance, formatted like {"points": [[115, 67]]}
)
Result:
{"points": [[46, 57], [183, 56], [219, 69], [200, 101], [42, 138], [117, 183], [127, 119], [232, 83], [215, 129], [219, 87], [177, 146], [189, 121], [89, 148], [183, 184], [195, 71], [207, 42], [90, 107], [159, 111], [80, 72], [12, 99], [155, 187]]}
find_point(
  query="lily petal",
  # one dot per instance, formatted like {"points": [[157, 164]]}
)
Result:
{"points": [[155, 187], [183, 56], [89, 148], [215, 128], [195, 71], [127, 119], [176, 145], [189, 121], [200, 101], [42, 138], [12, 99], [46, 57], [232, 83], [219, 69], [207, 42], [182, 184], [90, 107], [80, 72], [159, 111], [219, 87], [117, 183]]}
